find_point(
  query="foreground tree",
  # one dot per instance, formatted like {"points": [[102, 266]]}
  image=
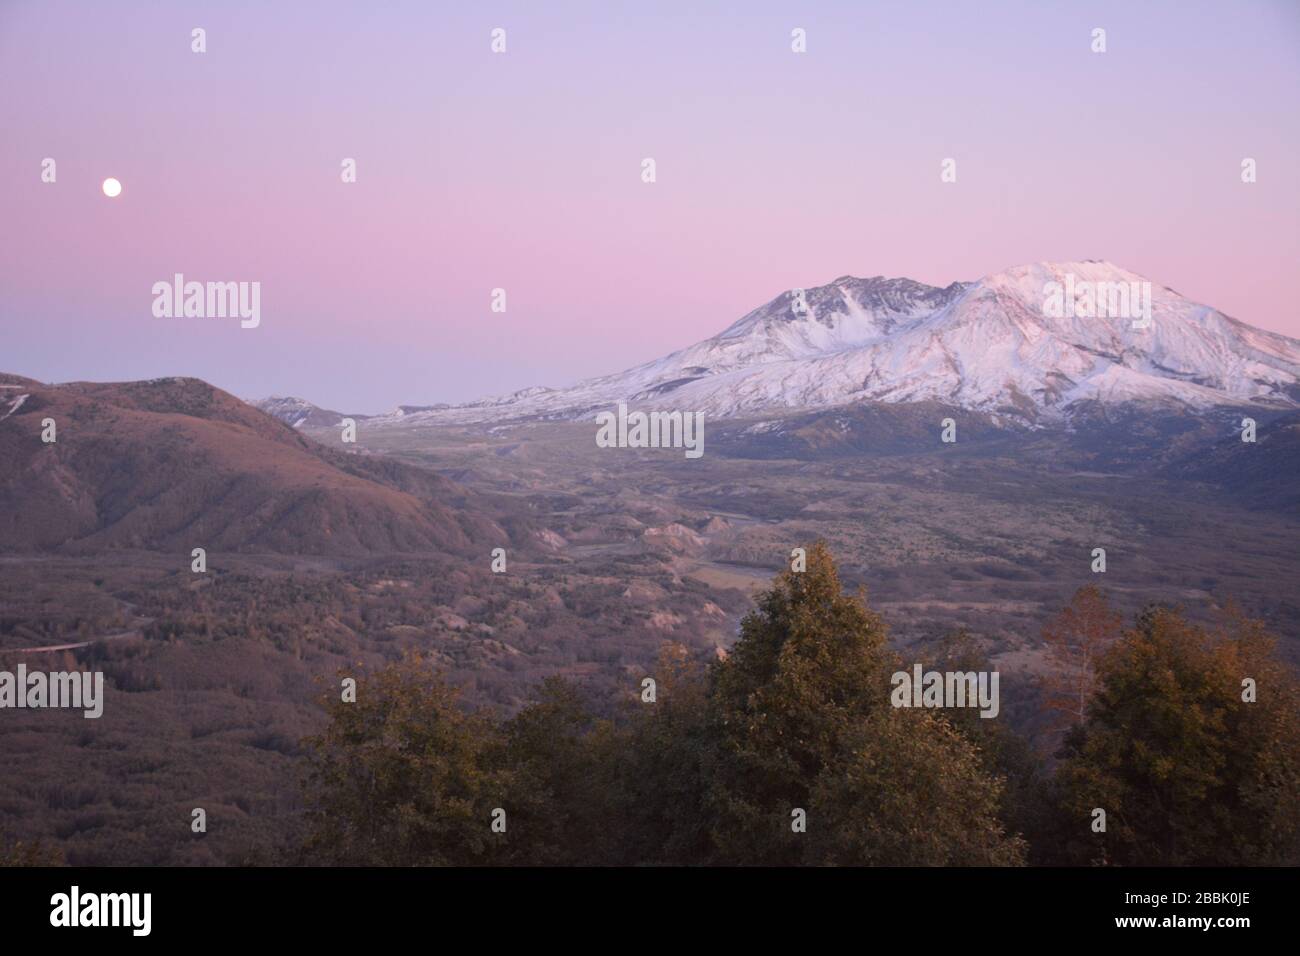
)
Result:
{"points": [[802, 721], [1189, 769], [401, 776], [553, 765], [909, 790], [1026, 806], [657, 791]]}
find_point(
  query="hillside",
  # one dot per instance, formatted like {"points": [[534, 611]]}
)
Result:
{"points": [[174, 464]]}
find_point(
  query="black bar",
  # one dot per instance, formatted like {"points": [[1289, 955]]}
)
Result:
{"points": [[654, 907]]}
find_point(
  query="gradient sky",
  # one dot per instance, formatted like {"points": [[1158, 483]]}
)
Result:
{"points": [[522, 171]]}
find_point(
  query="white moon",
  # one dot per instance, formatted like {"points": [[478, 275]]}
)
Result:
{"points": [[112, 187]]}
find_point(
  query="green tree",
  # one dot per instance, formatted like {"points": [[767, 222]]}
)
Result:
{"points": [[801, 719], [553, 759], [1025, 805], [910, 790], [1188, 772], [656, 782], [401, 776]]}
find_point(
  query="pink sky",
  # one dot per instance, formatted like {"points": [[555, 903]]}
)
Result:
{"points": [[522, 171]]}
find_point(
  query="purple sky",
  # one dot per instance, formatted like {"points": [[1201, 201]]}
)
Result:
{"points": [[522, 171]]}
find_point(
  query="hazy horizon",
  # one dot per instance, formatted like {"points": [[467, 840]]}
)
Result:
{"points": [[522, 170]]}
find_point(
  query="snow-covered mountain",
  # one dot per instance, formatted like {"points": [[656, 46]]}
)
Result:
{"points": [[1001, 345], [300, 413]]}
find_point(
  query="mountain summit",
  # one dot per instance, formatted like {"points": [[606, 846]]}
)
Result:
{"points": [[1031, 343]]}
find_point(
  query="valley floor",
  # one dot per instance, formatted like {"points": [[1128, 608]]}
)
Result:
{"points": [[215, 679]]}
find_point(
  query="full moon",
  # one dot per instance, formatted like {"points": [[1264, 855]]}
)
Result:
{"points": [[112, 187]]}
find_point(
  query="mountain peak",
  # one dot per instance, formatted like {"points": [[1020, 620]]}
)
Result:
{"points": [[1009, 344], [298, 412]]}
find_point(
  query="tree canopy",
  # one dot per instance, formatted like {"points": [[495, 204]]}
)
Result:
{"points": [[788, 750]]}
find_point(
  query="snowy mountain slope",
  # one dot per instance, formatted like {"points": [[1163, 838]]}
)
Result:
{"points": [[300, 413], [996, 345]]}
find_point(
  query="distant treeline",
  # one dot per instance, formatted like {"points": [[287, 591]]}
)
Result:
{"points": [[1174, 745]]}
